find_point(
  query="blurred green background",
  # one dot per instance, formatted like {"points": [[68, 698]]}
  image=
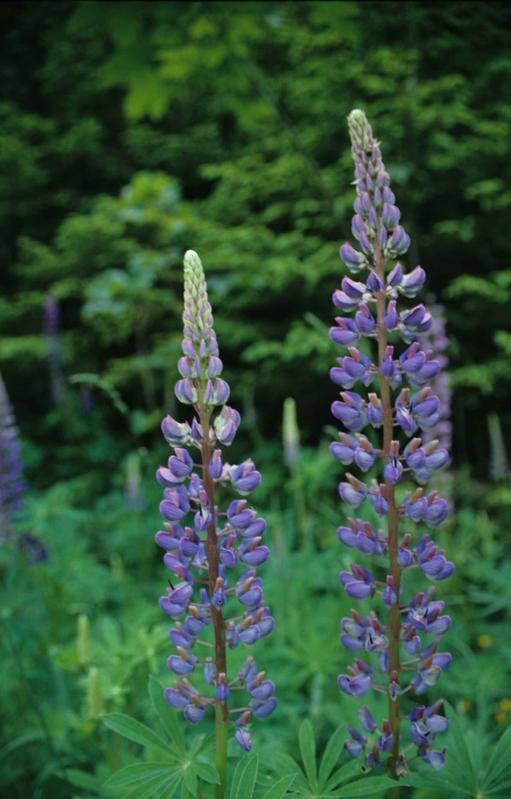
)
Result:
{"points": [[130, 132]]}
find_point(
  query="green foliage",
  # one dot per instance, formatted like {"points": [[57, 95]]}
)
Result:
{"points": [[332, 782], [128, 133], [471, 769]]}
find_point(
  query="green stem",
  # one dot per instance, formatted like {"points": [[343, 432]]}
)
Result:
{"points": [[221, 715], [221, 751]]}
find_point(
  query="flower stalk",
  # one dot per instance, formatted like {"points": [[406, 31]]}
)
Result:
{"points": [[404, 410], [205, 547]]}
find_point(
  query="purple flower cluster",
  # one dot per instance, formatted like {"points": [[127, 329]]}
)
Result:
{"points": [[436, 340], [211, 554], [392, 394], [12, 485]]}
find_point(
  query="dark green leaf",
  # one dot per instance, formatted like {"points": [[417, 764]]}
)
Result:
{"points": [[244, 778], [461, 752], [367, 786], [168, 716], [132, 729], [158, 786], [82, 779], [280, 788], [139, 772], [331, 755], [190, 779], [345, 772], [206, 771], [500, 788], [308, 752], [500, 759]]}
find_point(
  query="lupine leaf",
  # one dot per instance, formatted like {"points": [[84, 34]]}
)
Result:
{"points": [[284, 764], [206, 771], [201, 743], [244, 778], [367, 786], [280, 788], [442, 781], [167, 716], [461, 752], [308, 752], [132, 729], [350, 769], [503, 786], [331, 755], [190, 779], [138, 772], [155, 786], [81, 779], [499, 760]]}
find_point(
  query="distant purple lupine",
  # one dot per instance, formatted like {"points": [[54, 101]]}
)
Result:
{"points": [[206, 548], [436, 340], [51, 331], [393, 395], [12, 485]]}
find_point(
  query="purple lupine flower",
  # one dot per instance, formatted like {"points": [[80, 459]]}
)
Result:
{"points": [[401, 401], [436, 341], [12, 485], [207, 547]]}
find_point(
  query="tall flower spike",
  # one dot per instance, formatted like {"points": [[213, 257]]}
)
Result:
{"points": [[391, 395], [214, 591], [12, 485]]}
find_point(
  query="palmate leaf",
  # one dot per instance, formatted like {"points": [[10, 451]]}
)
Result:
{"points": [[327, 787], [367, 786], [284, 764], [499, 764], [167, 716], [280, 788], [139, 773], [502, 789], [206, 771], [244, 778], [157, 787], [447, 787], [331, 755], [343, 774], [308, 752], [132, 729], [460, 752]]}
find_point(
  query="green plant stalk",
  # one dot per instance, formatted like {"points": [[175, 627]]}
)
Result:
{"points": [[221, 715], [221, 749], [392, 527]]}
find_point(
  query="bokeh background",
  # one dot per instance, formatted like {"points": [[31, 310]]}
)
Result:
{"points": [[130, 132]]}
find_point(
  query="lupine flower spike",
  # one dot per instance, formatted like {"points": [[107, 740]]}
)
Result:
{"points": [[12, 485], [392, 395], [212, 555]]}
